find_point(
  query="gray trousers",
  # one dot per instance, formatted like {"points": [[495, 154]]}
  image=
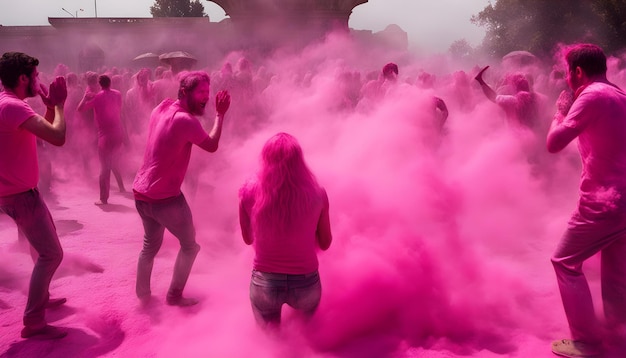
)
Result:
{"points": [[33, 219], [174, 215], [579, 243]]}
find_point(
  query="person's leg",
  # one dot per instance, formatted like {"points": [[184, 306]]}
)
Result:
{"points": [[104, 153], [175, 215], [305, 293], [267, 296], [152, 240], [579, 243], [614, 283], [33, 218], [115, 166]]}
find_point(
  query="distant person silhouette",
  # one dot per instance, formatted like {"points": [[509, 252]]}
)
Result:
{"points": [[107, 107]]}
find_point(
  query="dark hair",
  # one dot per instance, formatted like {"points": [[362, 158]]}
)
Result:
{"points": [[104, 81], [589, 57], [190, 80], [15, 64], [389, 68]]}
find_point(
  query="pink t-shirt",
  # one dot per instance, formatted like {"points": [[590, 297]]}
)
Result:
{"points": [[19, 171], [171, 135], [599, 114], [295, 252], [107, 108], [521, 108]]}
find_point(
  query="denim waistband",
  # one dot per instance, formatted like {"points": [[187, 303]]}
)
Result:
{"points": [[285, 276]]}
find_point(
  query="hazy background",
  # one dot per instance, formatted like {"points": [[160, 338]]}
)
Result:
{"points": [[431, 25]]}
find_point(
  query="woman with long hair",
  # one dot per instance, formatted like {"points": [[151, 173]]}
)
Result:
{"points": [[283, 213]]}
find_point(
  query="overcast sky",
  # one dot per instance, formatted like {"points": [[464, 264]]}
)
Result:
{"points": [[431, 24]]}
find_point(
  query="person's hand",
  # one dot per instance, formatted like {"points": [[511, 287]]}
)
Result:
{"points": [[564, 102], [479, 76], [222, 102], [89, 95], [56, 94], [58, 91], [43, 93]]}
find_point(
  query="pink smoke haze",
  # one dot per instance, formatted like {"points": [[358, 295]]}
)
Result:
{"points": [[442, 239]]}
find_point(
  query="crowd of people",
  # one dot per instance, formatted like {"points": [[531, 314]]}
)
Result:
{"points": [[144, 124]]}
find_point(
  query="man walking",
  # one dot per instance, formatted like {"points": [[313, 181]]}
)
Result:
{"points": [[107, 108]]}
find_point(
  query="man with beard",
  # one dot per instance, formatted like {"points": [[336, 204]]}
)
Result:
{"points": [[173, 130], [596, 115], [19, 173]]}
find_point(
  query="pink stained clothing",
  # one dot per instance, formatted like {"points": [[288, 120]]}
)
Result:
{"points": [[171, 135], [19, 170], [293, 253], [107, 108], [599, 114], [520, 108]]}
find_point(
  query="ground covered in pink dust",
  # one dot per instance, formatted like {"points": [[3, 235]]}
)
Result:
{"points": [[441, 241]]}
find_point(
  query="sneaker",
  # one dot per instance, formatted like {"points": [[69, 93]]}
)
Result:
{"points": [[46, 332], [572, 349], [56, 302], [181, 301]]}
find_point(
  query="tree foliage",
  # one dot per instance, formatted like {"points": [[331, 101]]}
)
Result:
{"points": [[539, 25], [177, 8]]}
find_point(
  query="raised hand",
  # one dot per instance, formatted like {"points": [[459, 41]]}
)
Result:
{"points": [[57, 93], [564, 102], [58, 90], [222, 102]]}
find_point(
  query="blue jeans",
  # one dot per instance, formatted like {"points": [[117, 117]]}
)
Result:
{"points": [[268, 292], [33, 219], [174, 215]]}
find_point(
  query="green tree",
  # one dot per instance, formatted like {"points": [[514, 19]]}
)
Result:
{"points": [[539, 25], [460, 49], [177, 8]]}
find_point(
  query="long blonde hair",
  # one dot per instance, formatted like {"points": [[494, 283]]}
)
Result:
{"points": [[285, 188]]}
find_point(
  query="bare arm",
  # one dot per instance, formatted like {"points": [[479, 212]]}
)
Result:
{"points": [[86, 102], [222, 103], [559, 136], [52, 127], [488, 91], [244, 222], [323, 234], [53, 133], [212, 142]]}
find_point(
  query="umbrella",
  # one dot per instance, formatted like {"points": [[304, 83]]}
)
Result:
{"points": [[147, 59], [521, 58], [178, 60], [149, 55]]}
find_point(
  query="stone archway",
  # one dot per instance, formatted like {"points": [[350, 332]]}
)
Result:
{"points": [[322, 14]]}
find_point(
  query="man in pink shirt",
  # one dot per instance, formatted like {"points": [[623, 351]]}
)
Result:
{"points": [[597, 117], [19, 173], [107, 107], [173, 130]]}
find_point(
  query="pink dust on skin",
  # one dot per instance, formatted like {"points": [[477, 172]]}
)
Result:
{"points": [[440, 248]]}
